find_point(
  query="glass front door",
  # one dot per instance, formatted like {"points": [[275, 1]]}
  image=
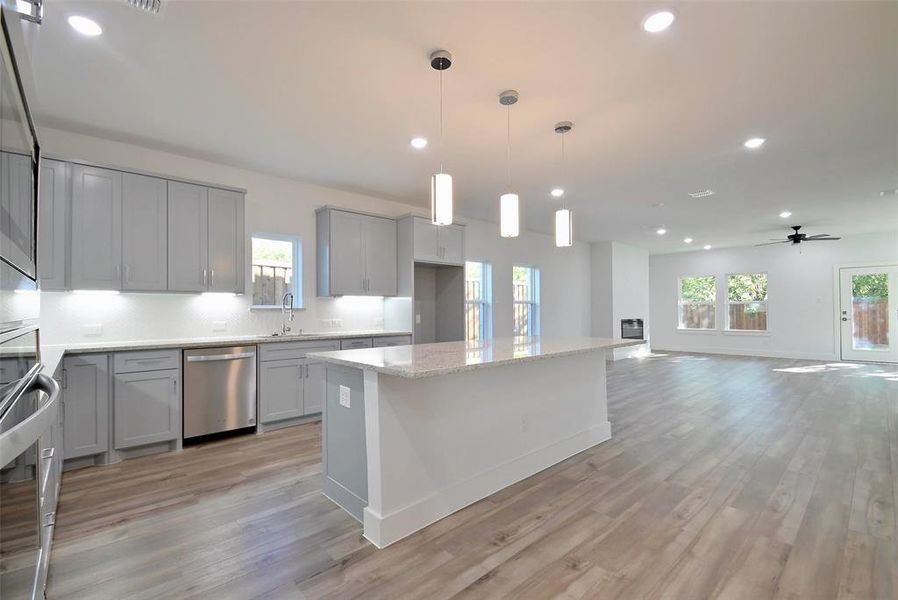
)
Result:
{"points": [[869, 313]]}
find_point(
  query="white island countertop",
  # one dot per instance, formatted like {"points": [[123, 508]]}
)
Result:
{"points": [[427, 360]]}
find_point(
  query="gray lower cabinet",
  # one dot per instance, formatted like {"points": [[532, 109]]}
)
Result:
{"points": [[52, 230], [96, 217], [281, 389], [86, 400], [392, 340], [144, 236], [147, 407], [290, 384], [356, 343]]}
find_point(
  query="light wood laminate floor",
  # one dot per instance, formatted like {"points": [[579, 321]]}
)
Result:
{"points": [[726, 477]]}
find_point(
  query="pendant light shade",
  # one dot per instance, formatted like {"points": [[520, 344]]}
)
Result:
{"points": [[441, 199], [509, 215], [441, 183], [564, 228]]}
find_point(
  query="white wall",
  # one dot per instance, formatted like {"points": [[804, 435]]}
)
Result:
{"points": [[620, 290], [280, 205], [802, 299]]}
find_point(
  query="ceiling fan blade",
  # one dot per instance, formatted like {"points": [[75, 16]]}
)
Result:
{"points": [[772, 243], [817, 235], [821, 239]]}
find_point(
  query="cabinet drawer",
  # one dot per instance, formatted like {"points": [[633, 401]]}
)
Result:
{"points": [[392, 340], [146, 360], [293, 350], [355, 343]]}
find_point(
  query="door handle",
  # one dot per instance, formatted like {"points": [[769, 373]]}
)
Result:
{"points": [[214, 357]]}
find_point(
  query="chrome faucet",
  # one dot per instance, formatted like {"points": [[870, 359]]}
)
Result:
{"points": [[287, 313]]}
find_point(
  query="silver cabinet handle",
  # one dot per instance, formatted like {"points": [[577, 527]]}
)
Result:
{"points": [[205, 284], [127, 273], [214, 357], [174, 386], [211, 278]]}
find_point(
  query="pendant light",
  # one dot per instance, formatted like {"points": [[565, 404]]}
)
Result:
{"points": [[441, 183], [509, 209], [564, 217]]}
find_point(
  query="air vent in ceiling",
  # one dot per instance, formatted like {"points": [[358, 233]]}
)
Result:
{"points": [[151, 6], [702, 194]]}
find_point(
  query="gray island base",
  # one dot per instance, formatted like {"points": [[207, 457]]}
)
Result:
{"points": [[412, 434]]}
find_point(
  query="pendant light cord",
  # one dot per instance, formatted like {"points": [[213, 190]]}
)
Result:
{"points": [[441, 120], [563, 199], [508, 145]]}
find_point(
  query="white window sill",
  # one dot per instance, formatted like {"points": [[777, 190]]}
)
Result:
{"points": [[272, 307], [700, 331], [749, 332]]}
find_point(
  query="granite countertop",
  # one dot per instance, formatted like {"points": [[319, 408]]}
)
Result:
{"points": [[427, 360], [52, 354]]}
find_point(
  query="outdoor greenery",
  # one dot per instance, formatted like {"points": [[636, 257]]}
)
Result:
{"points": [[874, 285], [747, 287], [272, 252], [698, 289]]}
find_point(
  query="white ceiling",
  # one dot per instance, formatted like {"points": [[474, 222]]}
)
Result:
{"points": [[332, 92]]}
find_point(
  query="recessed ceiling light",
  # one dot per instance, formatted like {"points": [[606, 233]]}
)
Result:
{"points": [[419, 143], [85, 26], [661, 231], [754, 143], [557, 193], [702, 193], [785, 214], [687, 240], [659, 21], [707, 246]]}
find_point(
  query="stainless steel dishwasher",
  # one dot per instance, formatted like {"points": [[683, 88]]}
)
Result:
{"points": [[219, 389]]}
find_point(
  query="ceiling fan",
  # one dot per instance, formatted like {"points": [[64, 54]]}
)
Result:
{"points": [[797, 238]]}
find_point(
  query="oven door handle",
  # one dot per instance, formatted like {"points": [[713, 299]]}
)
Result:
{"points": [[18, 439]]}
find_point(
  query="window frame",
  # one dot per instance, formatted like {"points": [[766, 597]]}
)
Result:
{"points": [[296, 240], [680, 304], [727, 302], [534, 325], [486, 301]]}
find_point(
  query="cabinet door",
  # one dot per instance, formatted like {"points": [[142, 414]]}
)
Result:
{"points": [[187, 237], [347, 272], [452, 244], [314, 386], [52, 210], [426, 240], [96, 228], [144, 237], [380, 256], [147, 407], [86, 397], [280, 390], [17, 219], [226, 273]]}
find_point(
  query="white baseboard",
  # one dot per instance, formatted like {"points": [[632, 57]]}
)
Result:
{"points": [[383, 530], [828, 356]]}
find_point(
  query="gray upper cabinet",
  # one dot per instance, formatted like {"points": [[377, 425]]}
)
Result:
{"points": [[205, 239], [52, 230], [226, 241], [86, 401], [144, 237], [380, 256], [147, 407], [444, 244], [96, 216], [356, 254], [188, 248]]}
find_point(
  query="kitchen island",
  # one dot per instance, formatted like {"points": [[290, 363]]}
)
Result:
{"points": [[412, 434]]}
